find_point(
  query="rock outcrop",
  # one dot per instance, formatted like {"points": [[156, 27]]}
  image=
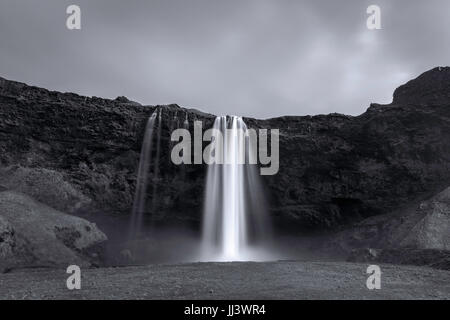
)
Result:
{"points": [[430, 88], [421, 225], [35, 235], [334, 169], [433, 230], [417, 234]]}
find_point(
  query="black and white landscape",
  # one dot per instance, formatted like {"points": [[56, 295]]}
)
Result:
{"points": [[352, 100], [351, 191]]}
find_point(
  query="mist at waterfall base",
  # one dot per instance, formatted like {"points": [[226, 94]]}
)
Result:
{"points": [[235, 222]]}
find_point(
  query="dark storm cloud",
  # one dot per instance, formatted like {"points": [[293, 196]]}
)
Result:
{"points": [[257, 58]]}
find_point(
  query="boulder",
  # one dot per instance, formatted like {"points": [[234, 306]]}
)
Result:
{"points": [[35, 235], [416, 234], [433, 230]]}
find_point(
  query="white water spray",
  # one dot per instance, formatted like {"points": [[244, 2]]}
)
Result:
{"points": [[234, 214]]}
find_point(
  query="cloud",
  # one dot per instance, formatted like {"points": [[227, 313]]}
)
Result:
{"points": [[259, 58]]}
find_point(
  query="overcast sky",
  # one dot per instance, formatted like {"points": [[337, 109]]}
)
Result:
{"points": [[259, 58]]}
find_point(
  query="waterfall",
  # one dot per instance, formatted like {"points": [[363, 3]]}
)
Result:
{"points": [[139, 203], [186, 122], [234, 212], [156, 170], [173, 124]]}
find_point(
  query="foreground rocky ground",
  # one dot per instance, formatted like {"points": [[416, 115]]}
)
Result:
{"points": [[237, 280]]}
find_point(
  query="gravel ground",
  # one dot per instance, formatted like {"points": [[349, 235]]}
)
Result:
{"points": [[232, 280]]}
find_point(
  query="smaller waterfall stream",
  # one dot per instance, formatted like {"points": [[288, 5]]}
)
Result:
{"points": [[142, 180], [156, 168]]}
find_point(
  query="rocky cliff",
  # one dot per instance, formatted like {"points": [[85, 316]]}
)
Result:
{"points": [[80, 155]]}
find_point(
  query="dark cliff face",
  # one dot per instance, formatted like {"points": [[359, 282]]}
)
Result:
{"points": [[334, 168], [430, 88]]}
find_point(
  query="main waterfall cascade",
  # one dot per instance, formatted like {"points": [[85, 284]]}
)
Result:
{"points": [[234, 225], [234, 222]]}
